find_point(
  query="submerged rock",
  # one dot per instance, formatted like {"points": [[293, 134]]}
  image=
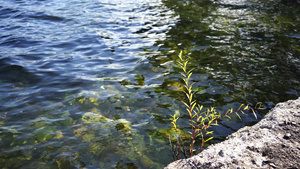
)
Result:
{"points": [[274, 142]]}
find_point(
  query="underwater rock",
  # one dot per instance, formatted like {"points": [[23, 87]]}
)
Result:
{"points": [[272, 142], [95, 124], [91, 117], [45, 134], [63, 162]]}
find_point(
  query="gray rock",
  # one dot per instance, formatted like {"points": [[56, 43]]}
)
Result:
{"points": [[274, 142]]}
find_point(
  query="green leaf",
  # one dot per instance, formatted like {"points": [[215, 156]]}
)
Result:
{"points": [[187, 89], [183, 74], [191, 124], [188, 110], [227, 112], [258, 106], [186, 82], [190, 89], [189, 75], [199, 118], [254, 113], [198, 130], [193, 102], [190, 71], [199, 134], [239, 116], [180, 55], [185, 104], [200, 107], [193, 105], [192, 84], [246, 108], [194, 116], [191, 97], [241, 106], [228, 116], [210, 132], [187, 96], [208, 139], [185, 63], [180, 64], [203, 127], [215, 124]]}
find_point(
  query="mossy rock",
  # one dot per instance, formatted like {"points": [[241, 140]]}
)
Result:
{"points": [[64, 121], [14, 159], [41, 122], [45, 133], [148, 162], [97, 148], [87, 134], [63, 163], [91, 117], [123, 125], [103, 148]]}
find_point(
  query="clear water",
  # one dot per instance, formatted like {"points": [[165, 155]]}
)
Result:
{"points": [[92, 83]]}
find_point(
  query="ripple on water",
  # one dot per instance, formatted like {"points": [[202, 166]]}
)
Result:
{"points": [[61, 59], [90, 83]]}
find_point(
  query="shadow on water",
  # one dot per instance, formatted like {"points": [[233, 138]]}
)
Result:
{"points": [[249, 49], [240, 52], [10, 73]]}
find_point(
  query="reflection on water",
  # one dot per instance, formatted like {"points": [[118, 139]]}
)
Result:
{"points": [[91, 84]]}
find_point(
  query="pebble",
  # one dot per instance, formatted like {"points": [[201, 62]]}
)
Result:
{"points": [[221, 153], [272, 165], [287, 136]]}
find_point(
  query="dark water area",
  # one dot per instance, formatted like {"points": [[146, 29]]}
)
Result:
{"points": [[92, 84]]}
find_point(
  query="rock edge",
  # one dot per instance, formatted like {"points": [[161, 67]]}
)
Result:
{"points": [[274, 142]]}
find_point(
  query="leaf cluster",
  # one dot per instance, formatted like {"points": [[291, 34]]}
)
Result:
{"points": [[200, 121]]}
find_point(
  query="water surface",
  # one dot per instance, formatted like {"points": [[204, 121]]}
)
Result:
{"points": [[92, 84]]}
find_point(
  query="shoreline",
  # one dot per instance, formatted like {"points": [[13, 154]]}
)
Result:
{"points": [[274, 142]]}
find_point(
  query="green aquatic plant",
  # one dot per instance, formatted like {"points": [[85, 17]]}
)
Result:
{"points": [[200, 120]]}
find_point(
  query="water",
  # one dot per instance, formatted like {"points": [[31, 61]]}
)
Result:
{"points": [[91, 84]]}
